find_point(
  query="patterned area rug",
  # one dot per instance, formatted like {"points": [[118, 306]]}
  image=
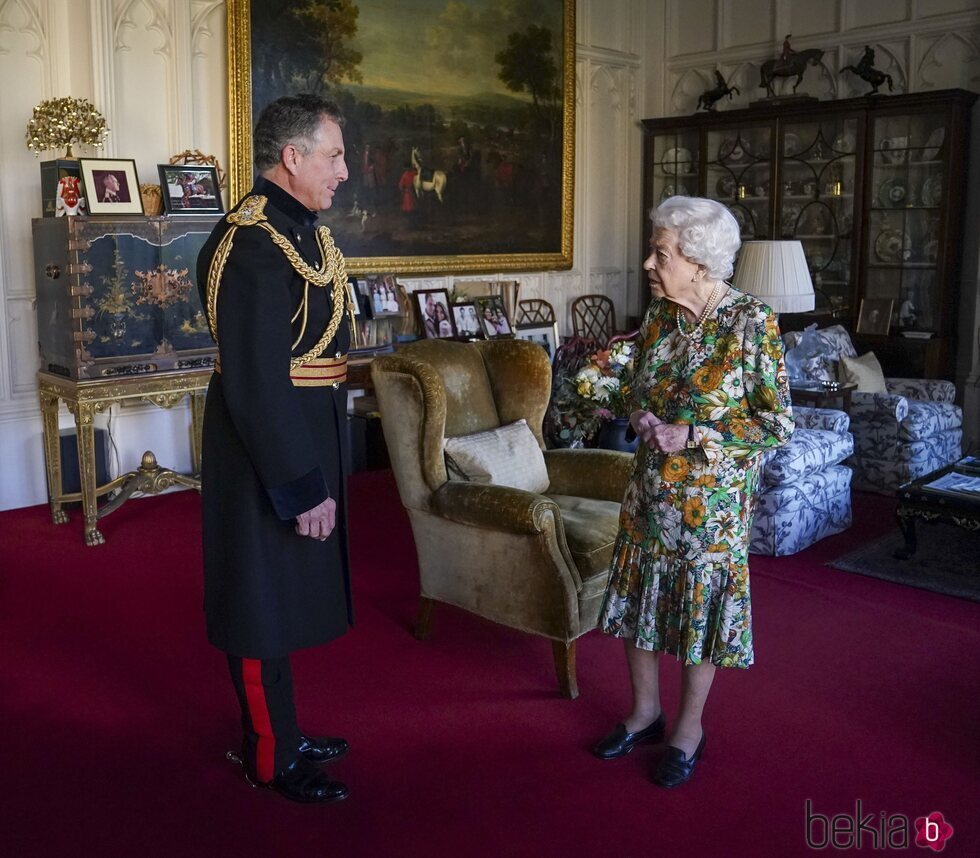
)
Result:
{"points": [[946, 560]]}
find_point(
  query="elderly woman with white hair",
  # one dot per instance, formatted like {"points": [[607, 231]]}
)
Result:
{"points": [[711, 394]]}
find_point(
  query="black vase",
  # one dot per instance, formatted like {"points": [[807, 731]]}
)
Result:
{"points": [[612, 435]]}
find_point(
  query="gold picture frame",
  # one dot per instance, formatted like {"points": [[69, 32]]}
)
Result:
{"points": [[515, 201]]}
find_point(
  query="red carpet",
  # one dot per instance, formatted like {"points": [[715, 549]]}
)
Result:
{"points": [[115, 713]]}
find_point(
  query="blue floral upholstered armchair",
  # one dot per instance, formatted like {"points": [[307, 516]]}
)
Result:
{"points": [[805, 491], [899, 435]]}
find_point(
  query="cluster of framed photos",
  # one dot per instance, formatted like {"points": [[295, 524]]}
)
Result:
{"points": [[482, 318], [380, 299], [110, 186]]}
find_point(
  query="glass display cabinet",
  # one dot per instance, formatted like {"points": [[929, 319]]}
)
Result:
{"points": [[873, 189], [910, 174]]}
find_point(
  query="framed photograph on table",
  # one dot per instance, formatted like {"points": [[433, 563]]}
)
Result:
{"points": [[382, 293], [111, 186], [468, 326], [544, 334], [493, 317], [875, 316], [189, 189], [434, 186], [434, 316]]}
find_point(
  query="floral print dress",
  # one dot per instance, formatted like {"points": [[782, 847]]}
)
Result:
{"points": [[679, 575]]}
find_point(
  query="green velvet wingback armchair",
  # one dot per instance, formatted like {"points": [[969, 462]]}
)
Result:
{"points": [[532, 562]]}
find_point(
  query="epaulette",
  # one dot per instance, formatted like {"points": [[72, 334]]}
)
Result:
{"points": [[250, 212]]}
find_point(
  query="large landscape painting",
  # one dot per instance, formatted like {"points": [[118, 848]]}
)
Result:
{"points": [[459, 123]]}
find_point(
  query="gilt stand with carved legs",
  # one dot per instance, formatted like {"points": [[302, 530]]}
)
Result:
{"points": [[86, 398]]}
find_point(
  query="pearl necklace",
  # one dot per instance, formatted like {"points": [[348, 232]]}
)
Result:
{"points": [[704, 314]]}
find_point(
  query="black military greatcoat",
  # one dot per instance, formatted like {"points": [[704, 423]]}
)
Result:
{"points": [[271, 450]]}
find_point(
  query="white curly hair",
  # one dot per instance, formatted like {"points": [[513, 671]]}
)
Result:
{"points": [[707, 232]]}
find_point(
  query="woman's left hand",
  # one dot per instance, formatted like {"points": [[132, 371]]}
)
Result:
{"points": [[669, 437]]}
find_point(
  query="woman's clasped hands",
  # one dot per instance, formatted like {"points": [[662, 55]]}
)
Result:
{"points": [[658, 435]]}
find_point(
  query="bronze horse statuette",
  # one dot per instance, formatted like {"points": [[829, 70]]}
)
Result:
{"points": [[708, 98], [793, 66], [867, 72]]}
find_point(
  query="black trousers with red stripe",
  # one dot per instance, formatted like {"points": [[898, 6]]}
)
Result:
{"points": [[265, 693]]}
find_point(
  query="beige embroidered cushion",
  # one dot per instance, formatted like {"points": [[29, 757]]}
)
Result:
{"points": [[864, 371], [506, 456]]}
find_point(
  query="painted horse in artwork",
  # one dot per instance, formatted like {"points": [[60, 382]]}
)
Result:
{"points": [[436, 184], [793, 66]]}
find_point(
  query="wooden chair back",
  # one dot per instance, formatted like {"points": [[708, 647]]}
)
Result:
{"points": [[594, 317], [535, 311]]}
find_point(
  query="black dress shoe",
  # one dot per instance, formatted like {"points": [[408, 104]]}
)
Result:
{"points": [[322, 751], [300, 781], [619, 743], [676, 767]]}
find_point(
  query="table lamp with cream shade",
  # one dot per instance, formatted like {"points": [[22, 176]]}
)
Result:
{"points": [[777, 273]]}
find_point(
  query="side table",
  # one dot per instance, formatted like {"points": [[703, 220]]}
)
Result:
{"points": [[83, 399], [823, 397], [918, 500]]}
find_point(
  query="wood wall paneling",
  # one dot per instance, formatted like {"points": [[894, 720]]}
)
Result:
{"points": [[690, 27], [747, 22], [813, 18], [607, 173], [144, 82], [936, 8], [611, 29], [874, 13]]}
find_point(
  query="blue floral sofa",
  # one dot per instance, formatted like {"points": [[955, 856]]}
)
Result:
{"points": [[804, 492], [900, 435]]}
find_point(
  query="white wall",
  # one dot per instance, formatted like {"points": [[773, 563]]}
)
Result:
{"points": [[923, 44], [156, 69]]}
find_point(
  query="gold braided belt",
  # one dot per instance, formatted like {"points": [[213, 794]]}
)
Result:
{"points": [[309, 369], [319, 372], [322, 372]]}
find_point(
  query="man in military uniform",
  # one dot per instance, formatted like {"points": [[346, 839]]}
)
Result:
{"points": [[276, 574]]}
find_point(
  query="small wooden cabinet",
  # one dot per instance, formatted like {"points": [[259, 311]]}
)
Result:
{"points": [[117, 296], [119, 320], [872, 187]]}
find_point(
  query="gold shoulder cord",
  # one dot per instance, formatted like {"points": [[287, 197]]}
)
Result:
{"points": [[251, 213]]}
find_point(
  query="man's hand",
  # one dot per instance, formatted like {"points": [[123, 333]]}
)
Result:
{"points": [[657, 435], [318, 522]]}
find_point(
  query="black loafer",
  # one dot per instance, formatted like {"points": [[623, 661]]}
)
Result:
{"points": [[322, 751], [676, 767], [619, 743]]}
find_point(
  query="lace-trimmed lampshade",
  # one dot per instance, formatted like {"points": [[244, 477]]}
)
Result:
{"points": [[775, 272]]}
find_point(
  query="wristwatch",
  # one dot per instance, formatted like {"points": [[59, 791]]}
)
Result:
{"points": [[692, 437]]}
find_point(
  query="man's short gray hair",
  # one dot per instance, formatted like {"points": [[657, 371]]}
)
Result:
{"points": [[707, 232], [291, 119]]}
